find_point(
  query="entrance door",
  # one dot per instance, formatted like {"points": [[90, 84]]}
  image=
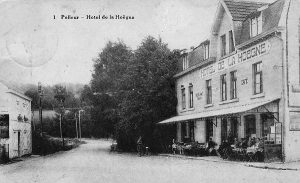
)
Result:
{"points": [[224, 129], [250, 125], [19, 137], [234, 127], [209, 129]]}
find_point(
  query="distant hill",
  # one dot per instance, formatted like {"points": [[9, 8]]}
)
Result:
{"points": [[75, 88]]}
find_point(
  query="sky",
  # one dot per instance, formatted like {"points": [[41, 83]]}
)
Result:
{"points": [[36, 47]]}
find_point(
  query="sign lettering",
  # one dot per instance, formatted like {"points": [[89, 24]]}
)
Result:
{"points": [[238, 58]]}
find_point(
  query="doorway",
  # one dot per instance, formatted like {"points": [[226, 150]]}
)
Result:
{"points": [[234, 127], [250, 125], [19, 138], [223, 129], [209, 129]]}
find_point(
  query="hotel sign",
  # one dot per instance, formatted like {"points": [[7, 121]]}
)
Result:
{"points": [[238, 58]]}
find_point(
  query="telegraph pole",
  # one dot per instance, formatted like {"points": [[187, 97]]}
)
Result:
{"points": [[79, 123], [40, 106], [76, 125], [61, 136], [60, 96]]}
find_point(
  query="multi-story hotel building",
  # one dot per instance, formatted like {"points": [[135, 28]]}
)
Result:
{"points": [[244, 80]]}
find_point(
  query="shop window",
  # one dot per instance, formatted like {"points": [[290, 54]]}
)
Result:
{"points": [[185, 62], [183, 101], [223, 45], [223, 87], [4, 126], [206, 51], [231, 42], [233, 79], [271, 131], [250, 125], [257, 78], [256, 25], [208, 92], [191, 96]]}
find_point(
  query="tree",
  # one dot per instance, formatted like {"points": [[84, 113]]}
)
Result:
{"points": [[150, 95], [110, 66], [105, 90], [132, 90]]}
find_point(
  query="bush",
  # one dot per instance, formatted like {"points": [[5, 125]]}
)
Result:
{"points": [[46, 144]]}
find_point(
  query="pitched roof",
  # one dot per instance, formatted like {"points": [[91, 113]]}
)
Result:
{"points": [[271, 17], [241, 9]]}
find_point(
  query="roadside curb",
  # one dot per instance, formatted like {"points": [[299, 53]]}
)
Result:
{"points": [[247, 164]]}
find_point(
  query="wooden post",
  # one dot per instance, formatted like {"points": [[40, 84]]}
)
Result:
{"points": [[76, 125]]}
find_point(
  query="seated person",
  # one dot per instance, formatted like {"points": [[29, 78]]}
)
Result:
{"points": [[236, 143], [247, 142], [224, 148], [211, 147]]}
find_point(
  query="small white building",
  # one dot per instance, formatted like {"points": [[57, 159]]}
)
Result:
{"points": [[15, 122]]}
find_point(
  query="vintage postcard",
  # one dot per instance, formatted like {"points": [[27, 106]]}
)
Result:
{"points": [[117, 91]]}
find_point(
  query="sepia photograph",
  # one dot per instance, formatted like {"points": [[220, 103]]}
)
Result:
{"points": [[161, 91]]}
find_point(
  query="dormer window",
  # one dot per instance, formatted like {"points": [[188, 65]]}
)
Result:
{"points": [[185, 63], [256, 25], [206, 51]]}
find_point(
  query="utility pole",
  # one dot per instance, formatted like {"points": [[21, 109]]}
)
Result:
{"points": [[40, 106], [60, 126], [79, 123], [60, 97], [76, 125]]}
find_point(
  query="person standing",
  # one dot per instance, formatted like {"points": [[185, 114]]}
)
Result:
{"points": [[140, 146]]}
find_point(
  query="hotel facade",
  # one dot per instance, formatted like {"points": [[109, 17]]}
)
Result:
{"points": [[244, 80]]}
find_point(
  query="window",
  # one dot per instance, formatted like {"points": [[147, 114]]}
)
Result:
{"points": [[231, 42], [185, 63], [206, 51], [233, 94], [208, 92], [4, 126], [223, 87], [223, 45], [191, 96], [255, 25], [183, 102], [257, 78]]}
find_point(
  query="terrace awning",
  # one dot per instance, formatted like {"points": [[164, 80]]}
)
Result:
{"points": [[218, 112]]}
